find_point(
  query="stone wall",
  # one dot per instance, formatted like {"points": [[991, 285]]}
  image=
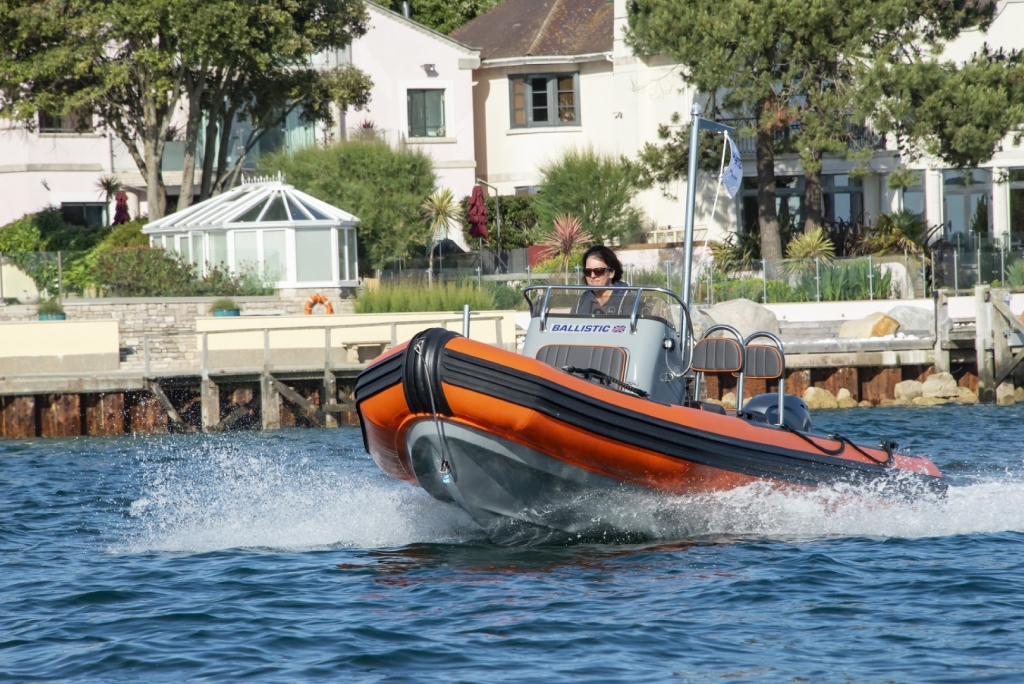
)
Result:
{"points": [[167, 324]]}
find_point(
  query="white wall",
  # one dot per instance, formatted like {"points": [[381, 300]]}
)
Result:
{"points": [[393, 53]]}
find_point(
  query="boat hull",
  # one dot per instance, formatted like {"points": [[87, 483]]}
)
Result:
{"points": [[531, 448]]}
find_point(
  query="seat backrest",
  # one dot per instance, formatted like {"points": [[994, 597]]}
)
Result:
{"points": [[763, 362], [609, 360], [717, 355]]}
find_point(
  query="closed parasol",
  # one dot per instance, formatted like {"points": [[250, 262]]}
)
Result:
{"points": [[477, 214], [121, 214]]}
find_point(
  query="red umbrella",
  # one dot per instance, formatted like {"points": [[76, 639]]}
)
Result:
{"points": [[477, 213], [121, 214]]}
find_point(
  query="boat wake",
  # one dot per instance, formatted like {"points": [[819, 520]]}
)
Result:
{"points": [[231, 495], [222, 495]]}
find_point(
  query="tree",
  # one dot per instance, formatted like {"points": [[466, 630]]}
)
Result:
{"points": [[737, 49], [383, 187], [441, 213], [444, 16], [959, 113], [129, 64], [798, 64], [597, 189]]}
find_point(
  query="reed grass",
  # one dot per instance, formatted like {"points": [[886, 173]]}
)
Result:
{"points": [[402, 297]]}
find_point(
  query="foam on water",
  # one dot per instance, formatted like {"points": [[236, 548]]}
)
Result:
{"points": [[761, 510], [224, 494]]}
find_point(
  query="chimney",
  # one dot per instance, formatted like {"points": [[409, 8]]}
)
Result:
{"points": [[405, 9]]}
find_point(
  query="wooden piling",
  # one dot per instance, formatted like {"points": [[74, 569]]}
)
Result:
{"points": [[270, 403], [146, 415], [983, 344], [210, 395], [878, 383], [59, 415], [797, 381], [104, 414], [18, 417]]}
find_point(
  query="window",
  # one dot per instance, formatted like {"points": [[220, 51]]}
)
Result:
{"points": [[544, 100], [527, 189], [843, 197], [1016, 178], [426, 113], [789, 204], [65, 123], [88, 214], [275, 267], [313, 255], [966, 201]]}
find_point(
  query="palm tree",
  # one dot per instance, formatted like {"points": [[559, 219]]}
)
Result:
{"points": [[566, 241], [442, 212], [108, 187]]}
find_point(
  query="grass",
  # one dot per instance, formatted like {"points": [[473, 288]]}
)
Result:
{"points": [[413, 296]]}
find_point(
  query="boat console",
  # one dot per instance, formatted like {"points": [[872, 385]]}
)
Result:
{"points": [[640, 343]]}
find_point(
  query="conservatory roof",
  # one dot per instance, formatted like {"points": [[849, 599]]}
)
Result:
{"points": [[256, 203]]}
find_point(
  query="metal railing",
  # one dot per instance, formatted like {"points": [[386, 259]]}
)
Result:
{"points": [[390, 339]]}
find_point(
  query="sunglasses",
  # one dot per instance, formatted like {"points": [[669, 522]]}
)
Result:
{"points": [[591, 272]]}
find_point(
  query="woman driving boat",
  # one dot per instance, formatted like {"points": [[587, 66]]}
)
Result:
{"points": [[603, 273]]}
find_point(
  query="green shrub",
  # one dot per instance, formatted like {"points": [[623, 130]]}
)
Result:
{"points": [[144, 272], [1015, 274], [32, 243], [50, 306], [381, 185], [598, 189], [410, 296], [223, 304], [519, 222]]}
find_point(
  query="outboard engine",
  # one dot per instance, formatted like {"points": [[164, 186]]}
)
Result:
{"points": [[765, 408]]}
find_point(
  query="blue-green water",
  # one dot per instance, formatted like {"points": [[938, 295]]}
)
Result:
{"points": [[287, 556]]}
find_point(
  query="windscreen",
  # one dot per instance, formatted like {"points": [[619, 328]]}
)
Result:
{"points": [[613, 302]]}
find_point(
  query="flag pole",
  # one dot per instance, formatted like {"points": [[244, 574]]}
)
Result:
{"points": [[696, 124]]}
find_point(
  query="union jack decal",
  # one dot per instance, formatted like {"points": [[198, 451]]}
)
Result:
{"points": [[619, 328]]}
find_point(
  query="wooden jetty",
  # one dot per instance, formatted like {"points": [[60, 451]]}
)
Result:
{"points": [[277, 371], [260, 372]]}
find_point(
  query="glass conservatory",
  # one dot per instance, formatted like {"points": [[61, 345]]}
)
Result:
{"points": [[265, 226]]}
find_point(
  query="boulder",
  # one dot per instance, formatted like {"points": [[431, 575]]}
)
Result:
{"points": [[908, 389], [864, 403], [729, 400], [941, 385], [914, 320], [966, 396], [746, 316], [1018, 394], [845, 399], [1004, 394], [929, 401], [874, 325], [701, 322], [818, 398]]}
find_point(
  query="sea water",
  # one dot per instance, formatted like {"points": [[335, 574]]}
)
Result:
{"points": [[288, 556]]}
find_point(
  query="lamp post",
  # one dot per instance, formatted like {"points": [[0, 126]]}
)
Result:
{"points": [[497, 210]]}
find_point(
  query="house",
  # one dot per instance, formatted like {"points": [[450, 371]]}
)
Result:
{"points": [[421, 97], [422, 94], [557, 74]]}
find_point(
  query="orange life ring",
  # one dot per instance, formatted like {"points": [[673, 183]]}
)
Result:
{"points": [[319, 299]]}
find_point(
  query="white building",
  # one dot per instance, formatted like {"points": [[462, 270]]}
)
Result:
{"points": [[557, 74]]}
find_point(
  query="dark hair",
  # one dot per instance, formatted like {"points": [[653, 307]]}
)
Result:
{"points": [[608, 257]]}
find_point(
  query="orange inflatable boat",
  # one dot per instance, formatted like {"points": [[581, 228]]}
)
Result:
{"points": [[598, 405]]}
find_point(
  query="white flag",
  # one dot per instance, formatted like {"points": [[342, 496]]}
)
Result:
{"points": [[732, 177]]}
